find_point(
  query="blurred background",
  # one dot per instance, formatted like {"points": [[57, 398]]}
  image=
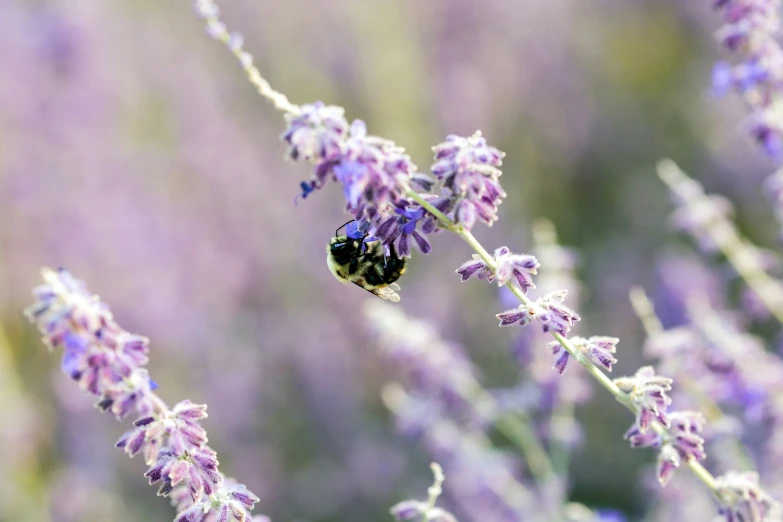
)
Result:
{"points": [[134, 153]]}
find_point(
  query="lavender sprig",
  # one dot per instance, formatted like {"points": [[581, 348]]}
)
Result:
{"points": [[109, 363], [750, 31], [704, 217]]}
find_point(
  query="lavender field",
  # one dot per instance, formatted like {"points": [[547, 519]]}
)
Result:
{"points": [[190, 162]]}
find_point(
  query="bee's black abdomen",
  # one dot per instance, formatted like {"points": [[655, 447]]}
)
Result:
{"points": [[373, 277], [393, 267]]}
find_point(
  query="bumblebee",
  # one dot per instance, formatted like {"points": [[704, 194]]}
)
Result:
{"points": [[354, 258]]}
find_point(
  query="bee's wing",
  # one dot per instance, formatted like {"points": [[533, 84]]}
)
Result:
{"points": [[387, 293]]}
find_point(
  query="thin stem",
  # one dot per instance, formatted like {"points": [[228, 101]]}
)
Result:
{"points": [[434, 491], [444, 220], [217, 29], [560, 452], [518, 429], [737, 250]]}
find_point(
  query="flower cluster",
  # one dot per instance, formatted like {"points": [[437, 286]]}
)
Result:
{"points": [[549, 310], [750, 29], [508, 267], [682, 441], [743, 500], [108, 362], [435, 368], [468, 169], [377, 176], [649, 393], [598, 349], [685, 442]]}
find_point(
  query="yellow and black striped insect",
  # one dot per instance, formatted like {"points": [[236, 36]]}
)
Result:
{"points": [[351, 257]]}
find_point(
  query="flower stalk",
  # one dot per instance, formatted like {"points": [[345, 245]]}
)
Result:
{"points": [[706, 220]]}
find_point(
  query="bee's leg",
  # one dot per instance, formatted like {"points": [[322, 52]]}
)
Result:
{"points": [[337, 232]]}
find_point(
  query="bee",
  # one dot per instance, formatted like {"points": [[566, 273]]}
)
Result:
{"points": [[352, 257]]}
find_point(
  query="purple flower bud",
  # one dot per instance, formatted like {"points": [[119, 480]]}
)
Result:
{"points": [[552, 314], [648, 439], [475, 268], [519, 316], [668, 462], [599, 350], [516, 266], [686, 430], [561, 356]]}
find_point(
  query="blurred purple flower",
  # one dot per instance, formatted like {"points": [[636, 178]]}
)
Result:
{"points": [[597, 349], [109, 362], [750, 30], [435, 368], [684, 443], [649, 393], [668, 461], [743, 500]]}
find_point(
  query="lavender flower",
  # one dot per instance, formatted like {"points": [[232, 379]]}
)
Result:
{"points": [[704, 217], [109, 362], [375, 173], [743, 500], [399, 228], [668, 462], [508, 267], [468, 168], [684, 442], [548, 310], [598, 349], [648, 392], [750, 29]]}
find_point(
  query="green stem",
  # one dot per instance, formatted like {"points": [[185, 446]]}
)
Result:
{"points": [[560, 452], [517, 429]]}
